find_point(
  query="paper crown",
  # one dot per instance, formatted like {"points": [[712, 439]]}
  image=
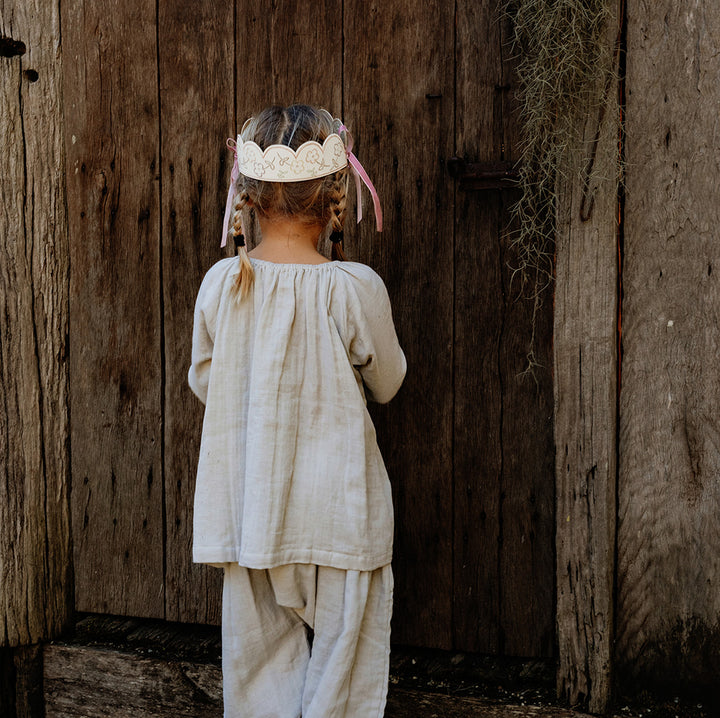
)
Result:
{"points": [[279, 163]]}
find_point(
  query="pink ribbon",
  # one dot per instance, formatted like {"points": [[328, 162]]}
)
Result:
{"points": [[359, 174], [233, 179]]}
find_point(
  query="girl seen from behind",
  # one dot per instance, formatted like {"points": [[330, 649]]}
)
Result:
{"points": [[292, 497]]}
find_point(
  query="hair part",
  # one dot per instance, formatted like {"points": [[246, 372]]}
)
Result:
{"points": [[320, 202]]}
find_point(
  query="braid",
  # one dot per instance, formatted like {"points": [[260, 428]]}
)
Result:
{"points": [[338, 210], [241, 200], [246, 276]]}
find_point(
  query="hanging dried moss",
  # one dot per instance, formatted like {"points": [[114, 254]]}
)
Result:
{"points": [[564, 64]]}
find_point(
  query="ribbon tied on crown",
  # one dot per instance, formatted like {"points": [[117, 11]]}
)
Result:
{"points": [[279, 163]]}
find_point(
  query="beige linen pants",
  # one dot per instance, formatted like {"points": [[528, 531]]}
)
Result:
{"points": [[269, 668]]}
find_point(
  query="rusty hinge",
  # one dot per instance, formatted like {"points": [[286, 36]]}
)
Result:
{"points": [[483, 175]]}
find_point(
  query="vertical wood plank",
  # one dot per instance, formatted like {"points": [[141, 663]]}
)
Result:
{"points": [[111, 114], [29, 699], [527, 556], [196, 60], [399, 104], [504, 487], [585, 360], [35, 561], [479, 328], [286, 54], [669, 484]]}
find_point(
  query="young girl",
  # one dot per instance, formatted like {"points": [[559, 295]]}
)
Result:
{"points": [[292, 496]]}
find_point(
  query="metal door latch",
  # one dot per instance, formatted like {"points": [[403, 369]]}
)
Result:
{"points": [[483, 175]]}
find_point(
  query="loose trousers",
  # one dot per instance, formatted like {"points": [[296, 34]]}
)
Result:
{"points": [[270, 668]]}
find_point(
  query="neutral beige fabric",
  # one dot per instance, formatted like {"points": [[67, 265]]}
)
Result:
{"points": [[269, 670], [289, 468]]}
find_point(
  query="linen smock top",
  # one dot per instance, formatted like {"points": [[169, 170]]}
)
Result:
{"points": [[289, 468]]}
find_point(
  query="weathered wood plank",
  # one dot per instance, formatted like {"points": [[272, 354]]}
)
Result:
{"points": [[669, 485], [29, 698], [527, 508], [87, 682], [527, 557], [479, 311], [504, 489], [270, 42], [35, 570], [93, 682], [111, 114], [585, 360], [399, 103], [195, 643], [196, 171], [197, 115]]}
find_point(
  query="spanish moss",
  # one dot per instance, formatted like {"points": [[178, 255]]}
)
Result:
{"points": [[563, 63]]}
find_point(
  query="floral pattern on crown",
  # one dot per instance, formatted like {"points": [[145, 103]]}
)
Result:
{"points": [[279, 163]]}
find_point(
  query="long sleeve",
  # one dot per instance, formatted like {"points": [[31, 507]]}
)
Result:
{"points": [[204, 321], [202, 347], [374, 348]]}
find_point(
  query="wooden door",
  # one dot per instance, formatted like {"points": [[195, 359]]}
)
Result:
{"points": [[468, 441]]}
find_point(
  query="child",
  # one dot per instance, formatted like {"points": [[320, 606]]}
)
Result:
{"points": [[292, 497]]}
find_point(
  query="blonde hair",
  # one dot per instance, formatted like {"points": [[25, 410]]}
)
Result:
{"points": [[319, 202]]}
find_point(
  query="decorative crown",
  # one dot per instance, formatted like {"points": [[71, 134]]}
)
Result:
{"points": [[279, 163]]}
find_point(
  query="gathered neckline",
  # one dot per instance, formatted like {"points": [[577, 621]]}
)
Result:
{"points": [[291, 265]]}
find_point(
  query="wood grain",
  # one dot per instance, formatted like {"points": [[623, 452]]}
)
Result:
{"points": [[399, 105], [90, 682], [669, 486], [197, 88], [585, 360], [527, 508], [503, 429], [285, 54], [479, 324], [111, 115], [29, 698], [196, 60], [35, 571], [527, 559]]}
